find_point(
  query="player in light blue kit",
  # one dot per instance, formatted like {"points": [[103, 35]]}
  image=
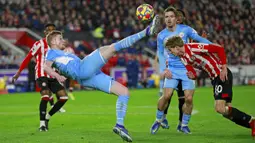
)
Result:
{"points": [[87, 71], [176, 71]]}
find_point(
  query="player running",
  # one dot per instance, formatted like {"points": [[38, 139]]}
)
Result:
{"points": [[176, 71], [212, 59], [44, 81], [87, 71]]}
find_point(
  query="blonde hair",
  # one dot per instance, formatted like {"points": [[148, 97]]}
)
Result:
{"points": [[51, 35], [170, 8]]}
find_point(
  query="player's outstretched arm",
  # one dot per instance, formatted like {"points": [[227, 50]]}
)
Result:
{"points": [[22, 66], [192, 33], [51, 72]]}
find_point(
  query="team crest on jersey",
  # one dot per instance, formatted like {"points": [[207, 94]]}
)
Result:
{"points": [[200, 46], [181, 34]]}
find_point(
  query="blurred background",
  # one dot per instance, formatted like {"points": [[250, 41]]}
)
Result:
{"points": [[89, 24]]}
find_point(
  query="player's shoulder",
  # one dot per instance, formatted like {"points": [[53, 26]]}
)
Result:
{"points": [[162, 33], [39, 42], [51, 53], [184, 26]]}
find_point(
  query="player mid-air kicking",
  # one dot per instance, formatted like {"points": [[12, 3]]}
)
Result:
{"points": [[87, 71]]}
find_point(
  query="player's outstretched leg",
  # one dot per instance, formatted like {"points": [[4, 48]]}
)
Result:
{"points": [[236, 116], [108, 51], [252, 125], [99, 57], [121, 109]]}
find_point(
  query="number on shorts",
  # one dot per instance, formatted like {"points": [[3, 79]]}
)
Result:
{"points": [[218, 89]]}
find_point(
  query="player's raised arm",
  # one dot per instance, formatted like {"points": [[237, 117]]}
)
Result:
{"points": [[192, 33]]}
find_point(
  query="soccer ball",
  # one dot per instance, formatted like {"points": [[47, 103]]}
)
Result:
{"points": [[145, 12]]}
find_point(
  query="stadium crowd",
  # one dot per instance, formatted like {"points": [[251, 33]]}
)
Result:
{"points": [[227, 22]]}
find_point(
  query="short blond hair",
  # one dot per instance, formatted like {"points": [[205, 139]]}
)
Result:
{"points": [[174, 42], [170, 8], [51, 35]]}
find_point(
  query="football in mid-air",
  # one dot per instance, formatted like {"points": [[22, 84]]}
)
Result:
{"points": [[145, 12]]}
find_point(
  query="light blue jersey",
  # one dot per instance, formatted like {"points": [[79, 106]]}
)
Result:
{"points": [[86, 71], [174, 63], [63, 61]]}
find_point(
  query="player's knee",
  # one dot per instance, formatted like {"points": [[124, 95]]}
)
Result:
{"points": [[45, 91], [220, 109], [61, 92], [63, 98], [167, 96], [125, 91], [112, 46], [189, 99], [45, 97]]}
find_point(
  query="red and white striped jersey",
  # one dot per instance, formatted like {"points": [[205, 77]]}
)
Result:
{"points": [[209, 57], [38, 51]]}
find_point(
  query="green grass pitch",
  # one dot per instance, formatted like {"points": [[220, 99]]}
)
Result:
{"points": [[90, 118]]}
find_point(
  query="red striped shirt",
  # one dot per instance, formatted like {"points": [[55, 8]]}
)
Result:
{"points": [[38, 51], [209, 57]]}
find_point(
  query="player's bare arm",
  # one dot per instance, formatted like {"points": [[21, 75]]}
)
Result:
{"points": [[51, 72], [22, 66]]}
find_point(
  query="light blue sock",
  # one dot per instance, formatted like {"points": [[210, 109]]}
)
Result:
{"points": [[185, 119], [121, 108], [159, 115], [129, 41]]}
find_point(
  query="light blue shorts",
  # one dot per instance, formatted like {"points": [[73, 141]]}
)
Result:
{"points": [[179, 75], [91, 65], [99, 81]]}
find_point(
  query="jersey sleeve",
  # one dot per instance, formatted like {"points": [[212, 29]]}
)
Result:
{"points": [[32, 52], [160, 54], [219, 50], [26, 61], [192, 33]]}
